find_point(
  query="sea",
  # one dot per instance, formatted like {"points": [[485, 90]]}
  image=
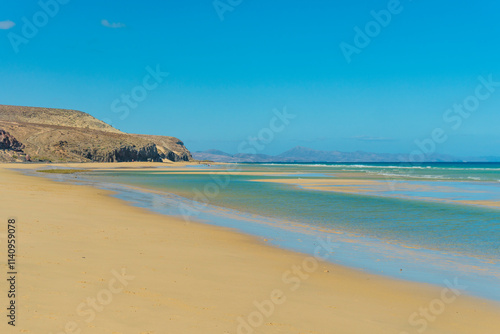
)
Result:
{"points": [[433, 223]]}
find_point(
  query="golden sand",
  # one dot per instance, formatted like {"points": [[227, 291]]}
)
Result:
{"points": [[90, 262]]}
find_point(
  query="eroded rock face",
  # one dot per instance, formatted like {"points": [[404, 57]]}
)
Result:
{"points": [[8, 142], [148, 152], [132, 153], [172, 156]]}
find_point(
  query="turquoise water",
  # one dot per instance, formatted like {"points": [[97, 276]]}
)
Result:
{"points": [[456, 228], [433, 171], [382, 231]]}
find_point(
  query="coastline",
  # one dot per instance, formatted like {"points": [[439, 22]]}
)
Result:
{"points": [[193, 277], [391, 259]]}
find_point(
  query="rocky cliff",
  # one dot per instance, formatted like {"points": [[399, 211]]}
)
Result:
{"points": [[10, 148], [8, 142], [73, 136]]}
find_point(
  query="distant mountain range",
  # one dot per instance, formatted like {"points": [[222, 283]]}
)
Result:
{"points": [[304, 154]]}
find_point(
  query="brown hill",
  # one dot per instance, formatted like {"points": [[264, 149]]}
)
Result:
{"points": [[48, 116], [73, 136]]}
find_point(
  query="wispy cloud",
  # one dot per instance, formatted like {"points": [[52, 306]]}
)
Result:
{"points": [[372, 139], [113, 25], [6, 25]]}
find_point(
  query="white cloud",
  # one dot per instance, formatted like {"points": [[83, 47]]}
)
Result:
{"points": [[6, 25], [114, 25]]}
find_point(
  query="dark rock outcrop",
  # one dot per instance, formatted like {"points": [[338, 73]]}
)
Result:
{"points": [[8, 142], [169, 148], [148, 152]]}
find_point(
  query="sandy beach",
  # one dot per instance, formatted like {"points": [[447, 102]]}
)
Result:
{"points": [[91, 263]]}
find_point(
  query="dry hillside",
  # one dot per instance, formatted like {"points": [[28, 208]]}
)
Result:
{"points": [[47, 116], [74, 136]]}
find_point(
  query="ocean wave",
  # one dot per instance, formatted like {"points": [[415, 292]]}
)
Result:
{"points": [[341, 165], [435, 177], [438, 177]]}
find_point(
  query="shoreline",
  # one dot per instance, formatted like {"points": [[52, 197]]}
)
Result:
{"points": [[350, 300], [393, 260], [356, 251]]}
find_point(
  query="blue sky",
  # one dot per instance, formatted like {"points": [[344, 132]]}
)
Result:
{"points": [[225, 77]]}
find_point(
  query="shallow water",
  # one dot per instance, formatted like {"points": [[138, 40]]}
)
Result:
{"points": [[462, 229], [396, 233]]}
